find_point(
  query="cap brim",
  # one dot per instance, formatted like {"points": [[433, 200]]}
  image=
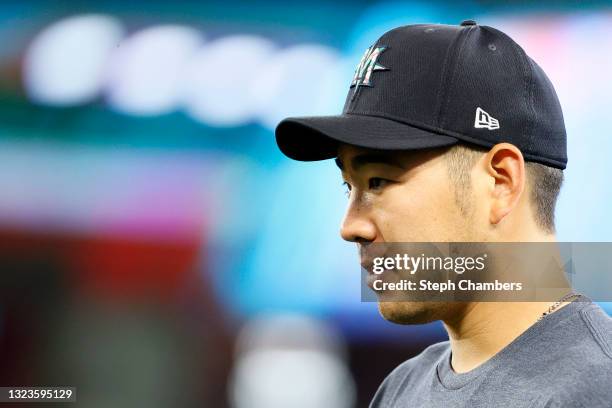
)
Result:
{"points": [[318, 137]]}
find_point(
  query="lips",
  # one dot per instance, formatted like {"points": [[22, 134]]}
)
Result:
{"points": [[370, 279], [370, 251], [367, 255], [367, 264]]}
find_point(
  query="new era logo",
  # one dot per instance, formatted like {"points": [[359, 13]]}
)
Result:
{"points": [[484, 120]]}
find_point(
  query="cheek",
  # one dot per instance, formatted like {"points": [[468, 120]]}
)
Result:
{"points": [[420, 211]]}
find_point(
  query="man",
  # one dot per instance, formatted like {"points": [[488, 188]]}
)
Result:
{"points": [[454, 134]]}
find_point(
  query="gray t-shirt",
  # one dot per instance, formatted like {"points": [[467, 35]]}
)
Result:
{"points": [[564, 360]]}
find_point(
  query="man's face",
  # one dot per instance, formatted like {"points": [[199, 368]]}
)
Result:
{"points": [[404, 196]]}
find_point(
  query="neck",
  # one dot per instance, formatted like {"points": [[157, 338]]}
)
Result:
{"points": [[486, 328], [483, 329]]}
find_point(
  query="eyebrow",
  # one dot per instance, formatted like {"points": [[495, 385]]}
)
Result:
{"points": [[361, 160]]}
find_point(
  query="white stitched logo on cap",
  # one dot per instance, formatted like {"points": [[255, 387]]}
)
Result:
{"points": [[484, 120], [367, 64]]}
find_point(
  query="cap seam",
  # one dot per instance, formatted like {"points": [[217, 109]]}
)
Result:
{"points": [[443, 106], [444, 75], [531, 86], [527, 77]]}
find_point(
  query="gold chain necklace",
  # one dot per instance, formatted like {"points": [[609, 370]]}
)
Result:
{"points": [[555, 305]]}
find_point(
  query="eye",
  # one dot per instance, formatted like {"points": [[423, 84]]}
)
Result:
{"points": [[376, 183], [347, 187]]}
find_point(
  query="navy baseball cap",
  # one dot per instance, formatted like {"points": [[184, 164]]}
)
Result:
{"points": [[431, 85]]}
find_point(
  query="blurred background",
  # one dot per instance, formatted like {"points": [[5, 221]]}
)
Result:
{"points": [[157, 250]]}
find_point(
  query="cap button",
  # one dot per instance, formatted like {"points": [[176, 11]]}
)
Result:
{"points": [[468, 23]]}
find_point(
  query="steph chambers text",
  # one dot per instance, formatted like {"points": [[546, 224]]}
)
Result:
{"points": [[462, 285]]}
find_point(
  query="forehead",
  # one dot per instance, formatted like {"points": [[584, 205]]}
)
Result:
{"points": [[353, 161], [347, 150], [351, 158]]}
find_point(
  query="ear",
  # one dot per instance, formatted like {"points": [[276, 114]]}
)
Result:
{"points": [[506, 165]]}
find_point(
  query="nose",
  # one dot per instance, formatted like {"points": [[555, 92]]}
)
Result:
{"points": [[356, 225]]}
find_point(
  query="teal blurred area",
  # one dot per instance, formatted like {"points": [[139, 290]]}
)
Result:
{"points": [[147, 218]]}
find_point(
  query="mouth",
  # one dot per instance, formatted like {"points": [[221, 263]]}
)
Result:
{"points": [[371, 279], [367, 264], [366, 257]]}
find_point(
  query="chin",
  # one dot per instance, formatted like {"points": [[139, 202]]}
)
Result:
{"points": [[413, 312]]}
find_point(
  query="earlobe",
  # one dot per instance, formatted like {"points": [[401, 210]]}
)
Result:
{"points": [[506, 165]]}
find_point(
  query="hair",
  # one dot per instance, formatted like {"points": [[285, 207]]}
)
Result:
{"points": [[544, 182]]}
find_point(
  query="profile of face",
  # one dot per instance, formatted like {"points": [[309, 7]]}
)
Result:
{"points": [[408, 196]]}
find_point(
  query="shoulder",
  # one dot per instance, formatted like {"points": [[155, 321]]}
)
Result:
{"points": [[599, 325], [582, 350], [589, 392], [407, 372], [580, 343], [589, 344], [584, 374]]}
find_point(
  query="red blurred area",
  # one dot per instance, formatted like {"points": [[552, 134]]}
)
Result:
{"points": [[110, 267], [121, 268], [67, 301]]}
